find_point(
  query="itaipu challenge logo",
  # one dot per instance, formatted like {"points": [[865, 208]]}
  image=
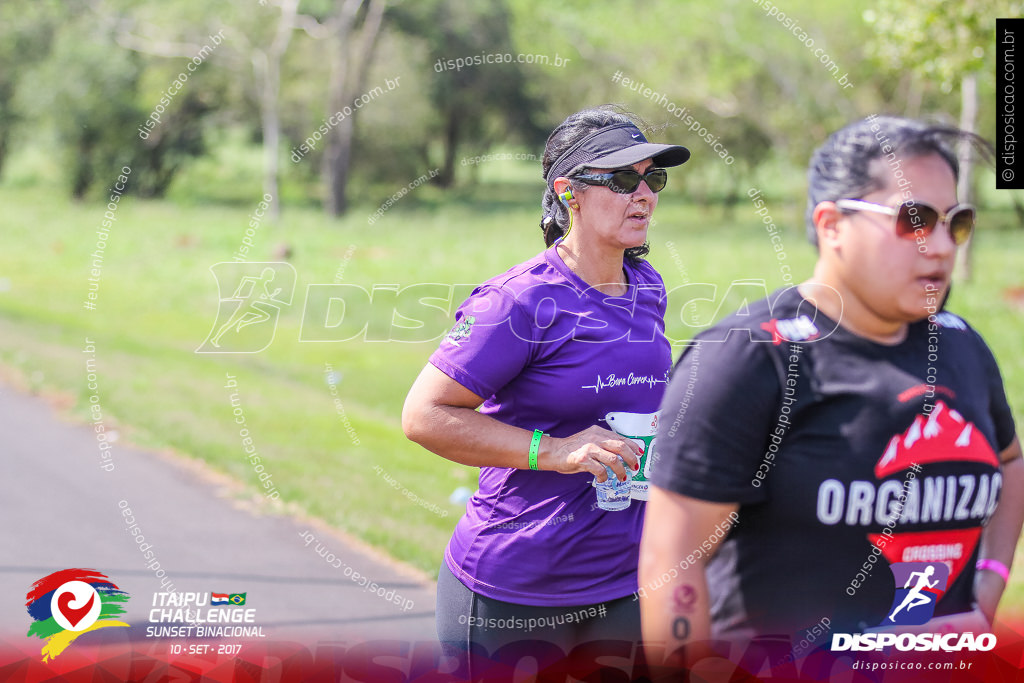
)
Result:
{"points": [[68, 603]]}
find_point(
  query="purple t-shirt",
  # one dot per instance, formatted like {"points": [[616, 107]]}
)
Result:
{"points": [[546, 351]]}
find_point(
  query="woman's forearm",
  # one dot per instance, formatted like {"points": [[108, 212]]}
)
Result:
{"points": [[467, 437], [440, 415], [674, 602], [999, 539], [675, 614]]}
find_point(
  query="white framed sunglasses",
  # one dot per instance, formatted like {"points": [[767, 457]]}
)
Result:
{"points": [[914, 216]]}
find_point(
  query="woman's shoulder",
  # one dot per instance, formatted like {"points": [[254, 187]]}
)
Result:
{"points": [[644, 272], [949, 328], [523, 278], [522, 273]]}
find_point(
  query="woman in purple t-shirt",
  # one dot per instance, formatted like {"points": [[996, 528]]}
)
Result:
{"points": [[543, 362]]}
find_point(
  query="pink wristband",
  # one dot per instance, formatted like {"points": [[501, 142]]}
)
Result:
{"points": [[996, 566]]}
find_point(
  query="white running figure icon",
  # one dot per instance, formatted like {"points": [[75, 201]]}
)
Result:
{"points": [[915, 597], [252, 303]]}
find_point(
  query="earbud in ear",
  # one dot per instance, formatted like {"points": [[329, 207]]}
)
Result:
{"points": [[565, 196]]}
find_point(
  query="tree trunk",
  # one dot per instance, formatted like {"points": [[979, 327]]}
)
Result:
{"points": [[337, 161], [348, 81], [446, 178], [267, 68], [270, 124], [965, 184], [4, 137]]}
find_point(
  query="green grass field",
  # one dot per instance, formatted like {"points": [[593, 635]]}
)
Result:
{"points": [[157, 300]]}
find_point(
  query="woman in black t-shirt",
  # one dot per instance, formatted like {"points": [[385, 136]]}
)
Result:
{"points": [[847, 432]]}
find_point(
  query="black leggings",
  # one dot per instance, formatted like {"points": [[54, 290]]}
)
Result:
{"points": [[484, 630]]}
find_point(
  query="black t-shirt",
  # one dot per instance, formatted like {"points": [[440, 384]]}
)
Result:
{"points": [[820, 436]]}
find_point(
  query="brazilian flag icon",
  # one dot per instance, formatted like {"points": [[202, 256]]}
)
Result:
{"points": [[237, 598]]}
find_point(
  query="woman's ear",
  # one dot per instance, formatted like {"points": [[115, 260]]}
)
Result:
{"points": [[563, 188], [562, 185], [826, 217]]}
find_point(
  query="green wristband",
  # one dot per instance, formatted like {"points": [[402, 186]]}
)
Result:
{"points": [[534, 448]]}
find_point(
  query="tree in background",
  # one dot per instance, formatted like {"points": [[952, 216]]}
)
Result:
{"points": [[262, 37], [478, 104], [256, 40], [92, 98], [93, 70], [352, 53], [725, 73], [946, 43], [92, 94], [27, 30]]}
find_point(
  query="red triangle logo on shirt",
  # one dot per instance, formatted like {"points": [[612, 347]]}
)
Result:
{"points": [[942, 436], [952, 547]]}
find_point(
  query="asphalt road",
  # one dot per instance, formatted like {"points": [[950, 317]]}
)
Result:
{"points": [[61, 510]]}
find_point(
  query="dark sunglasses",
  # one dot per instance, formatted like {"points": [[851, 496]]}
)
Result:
{"points": [[912, 217], [626, 180]]}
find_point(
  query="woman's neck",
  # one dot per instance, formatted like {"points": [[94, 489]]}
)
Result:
{"points": [[599, 268], [830, 297]]}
